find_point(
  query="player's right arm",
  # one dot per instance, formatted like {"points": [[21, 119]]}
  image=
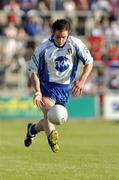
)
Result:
{"points": [[36, 86], [33, 72]]}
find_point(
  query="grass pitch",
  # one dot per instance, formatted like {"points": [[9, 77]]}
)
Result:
{"points": [[89, 150]]}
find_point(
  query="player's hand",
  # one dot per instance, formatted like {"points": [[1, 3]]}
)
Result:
{"points": [[77, 88], [38, 99]]}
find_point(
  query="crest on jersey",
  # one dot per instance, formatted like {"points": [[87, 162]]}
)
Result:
{"points": [[69, 50], [86, 52], [61, 63]]}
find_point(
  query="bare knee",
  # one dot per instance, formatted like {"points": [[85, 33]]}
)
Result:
{"points": [[48, 103]]}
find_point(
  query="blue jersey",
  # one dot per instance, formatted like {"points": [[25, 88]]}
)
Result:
{"points": [[59, 64]]}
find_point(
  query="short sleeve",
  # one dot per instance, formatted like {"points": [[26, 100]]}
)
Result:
{"points": [[33, 63], [82, 52]]}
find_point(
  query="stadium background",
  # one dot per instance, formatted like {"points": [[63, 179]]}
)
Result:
{"points": [[24, 24]]}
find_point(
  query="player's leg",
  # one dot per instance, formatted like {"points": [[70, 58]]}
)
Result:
{"points": [[51, 133], [43, 125], [49, 128]]}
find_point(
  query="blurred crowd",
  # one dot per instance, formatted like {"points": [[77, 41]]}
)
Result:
{"points": [[25, 23]]}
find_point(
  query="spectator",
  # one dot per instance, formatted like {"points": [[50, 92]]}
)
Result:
{"points": [[11, 33], [100, 5], [100, 9], [113, 52], [31, 25], [69, 6], [11, 30], [26, 5], [46, 26], [80, 27], [58, 5], [95, 44], [43, 8], [81, 4], [12, 9], [11, 5]]}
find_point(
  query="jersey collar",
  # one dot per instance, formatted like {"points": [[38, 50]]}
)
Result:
{"points": [[52, 40]]}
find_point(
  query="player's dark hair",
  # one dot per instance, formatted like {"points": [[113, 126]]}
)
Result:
{"points": [[60, 25]]}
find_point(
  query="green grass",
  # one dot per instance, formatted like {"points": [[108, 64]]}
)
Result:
{"points": [[89, 150]]}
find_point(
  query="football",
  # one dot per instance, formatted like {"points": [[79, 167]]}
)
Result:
{"points": [[58, 114]]}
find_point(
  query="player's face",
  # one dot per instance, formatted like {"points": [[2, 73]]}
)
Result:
{"points": [[60, 37]]}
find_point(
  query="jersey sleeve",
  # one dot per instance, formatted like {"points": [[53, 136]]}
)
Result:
{"points": [[33, 63], [83, 52]]}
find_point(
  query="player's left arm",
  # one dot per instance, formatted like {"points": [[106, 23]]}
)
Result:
{"points": [[83, 54], [78, 84]]}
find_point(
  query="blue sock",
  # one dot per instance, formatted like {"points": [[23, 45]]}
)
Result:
{"points": [[33, 130]]}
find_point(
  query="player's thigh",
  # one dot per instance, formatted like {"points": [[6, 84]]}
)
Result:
{"points": [[48, 103]]}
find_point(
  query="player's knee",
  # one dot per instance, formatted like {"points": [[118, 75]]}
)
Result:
{"points": [[48, 103]]}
